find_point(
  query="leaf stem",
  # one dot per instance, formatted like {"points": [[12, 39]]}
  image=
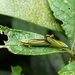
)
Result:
{"points": [[68, 51], [71, 53]]}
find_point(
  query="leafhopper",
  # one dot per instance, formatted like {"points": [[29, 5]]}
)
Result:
{"points": [[48, 41], [35, 43], [55, 43]]}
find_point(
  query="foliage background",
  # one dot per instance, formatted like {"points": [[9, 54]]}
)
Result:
{"points": [[31, 65], [42, 65]]}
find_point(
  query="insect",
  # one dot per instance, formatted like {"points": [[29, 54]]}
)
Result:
{"points": [[55, 43], [35, 43], [48, 41]]}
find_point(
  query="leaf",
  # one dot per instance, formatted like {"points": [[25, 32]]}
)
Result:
{"points": [[47, 64], [3, 72], [35, 11], [28, 26], [41, 65], [14, 42], [64, 10], [68, 70], [16, 70], [68, 73]]}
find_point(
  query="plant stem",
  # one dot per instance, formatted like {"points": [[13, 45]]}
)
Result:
{"points": [[71, 53], [68, 51]]}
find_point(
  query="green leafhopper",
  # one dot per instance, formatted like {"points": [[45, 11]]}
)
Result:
{"points": [[48, 41], [35, 43], [55, 43]]}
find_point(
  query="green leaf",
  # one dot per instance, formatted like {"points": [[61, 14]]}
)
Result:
{"points": [[28, 26], [16, 70], [68, 70], [35, 11], [3, 72], [68, 73], [64, 10], [47, 64], [14, 42]]}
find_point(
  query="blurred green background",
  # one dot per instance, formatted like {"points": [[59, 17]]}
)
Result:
{"points": [[31, 65]]}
